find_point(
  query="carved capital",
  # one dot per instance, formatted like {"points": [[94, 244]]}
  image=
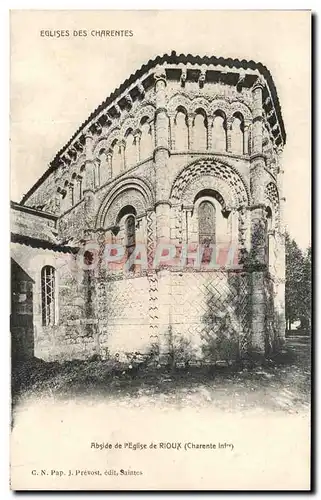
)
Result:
{"points": [[183, 77], [141, 90], [97, 127], [129, 100], [79, 146], [270, 114], [117, 109], [259, 83], [160, 110], [163, 202], [191, 118], [241, 78], [202, 78], [229, 123], [160, 74], [137, 136], [101, 236], [72, 151], [107, 117], [88, 135]]}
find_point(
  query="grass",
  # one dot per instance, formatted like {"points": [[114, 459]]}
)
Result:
{"points": [[282, 383]]}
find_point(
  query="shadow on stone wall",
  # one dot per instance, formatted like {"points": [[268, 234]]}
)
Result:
{"points": [[181, 352], [21, 318], [226, 333]]}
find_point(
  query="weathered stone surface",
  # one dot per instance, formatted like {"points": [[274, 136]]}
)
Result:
{"points": [[182, 141]]}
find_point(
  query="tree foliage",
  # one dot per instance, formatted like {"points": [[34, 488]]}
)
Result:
{"points": [[297, 284]]}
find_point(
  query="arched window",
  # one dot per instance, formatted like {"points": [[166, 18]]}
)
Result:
{"points": [[200, 131], [130, 150], [237, 134], [219, 132], [181, 131], [116, 158], [206, 223], [48, 296], [146, 140], [130, 229]]}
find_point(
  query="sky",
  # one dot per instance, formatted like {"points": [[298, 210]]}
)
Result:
{"points": [[56, 83]]}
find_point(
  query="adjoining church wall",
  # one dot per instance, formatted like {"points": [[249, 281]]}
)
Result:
{"points": [[69, 302], [32, 223]]}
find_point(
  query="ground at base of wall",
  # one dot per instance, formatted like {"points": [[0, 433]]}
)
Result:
{"points": [[280, 384]]}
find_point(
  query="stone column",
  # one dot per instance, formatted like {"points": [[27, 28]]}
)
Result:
{"points": [[122, 146], [161, 156], [188, 216], [162, 209], [229, 125], [172, 131], [258, 267], [78, 184], [89, 177], [190, 120], [246, 138], [71, 194], [280, 264], [257, 129], [233, 241], [258, 270], [210, 122], [280, 185], [89, 183], [97, 173], [109, 158], [137, 136]]}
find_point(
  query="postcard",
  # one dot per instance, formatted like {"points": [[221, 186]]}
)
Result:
{"points": [[160, 250]]}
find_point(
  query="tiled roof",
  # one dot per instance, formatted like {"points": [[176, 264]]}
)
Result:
{"points": [[39, 243]]}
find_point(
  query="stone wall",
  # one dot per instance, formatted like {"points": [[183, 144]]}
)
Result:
{"points": [[155, 150], [55, 341], [32, 223]]}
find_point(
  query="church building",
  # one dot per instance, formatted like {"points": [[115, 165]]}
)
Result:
{"points": [[157, 231]]}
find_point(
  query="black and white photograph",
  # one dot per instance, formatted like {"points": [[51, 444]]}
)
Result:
{"points": [[161, 316]]}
